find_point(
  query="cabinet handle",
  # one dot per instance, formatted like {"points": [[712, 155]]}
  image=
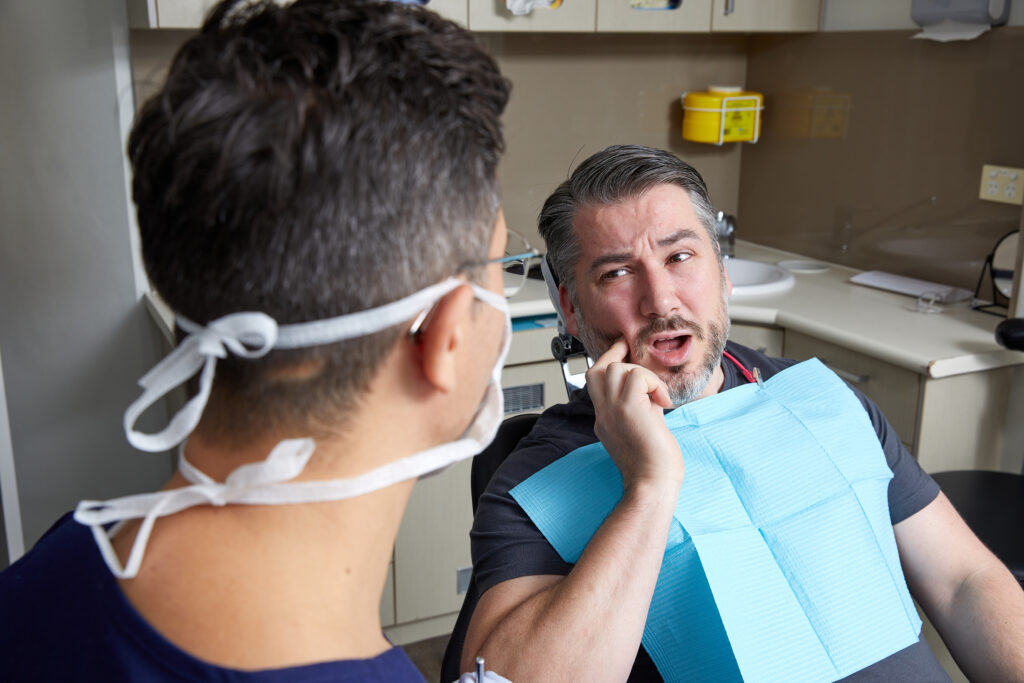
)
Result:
{"points": [[850, 377], [730, 7]]}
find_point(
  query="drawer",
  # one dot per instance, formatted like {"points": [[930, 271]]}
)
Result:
{"points": [[896, 390], [767, 340], [619, 16], [492, 15]]}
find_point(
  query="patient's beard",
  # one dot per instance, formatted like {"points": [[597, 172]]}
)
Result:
{"points": [[683, 386]]}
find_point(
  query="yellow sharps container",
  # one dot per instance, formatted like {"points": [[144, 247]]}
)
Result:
{"points": [[724, 113]]}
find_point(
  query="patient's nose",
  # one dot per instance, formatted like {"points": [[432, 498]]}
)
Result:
{"points": [[661, 296]]}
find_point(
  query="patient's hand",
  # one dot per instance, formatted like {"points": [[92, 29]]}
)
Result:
{"points": [[629, 402]]}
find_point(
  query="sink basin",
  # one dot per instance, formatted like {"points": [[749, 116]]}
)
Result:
{"points": [[753, 278]]}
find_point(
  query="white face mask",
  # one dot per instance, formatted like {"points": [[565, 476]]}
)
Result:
{"points": [[252, 335]]}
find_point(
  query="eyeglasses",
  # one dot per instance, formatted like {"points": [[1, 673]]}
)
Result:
{"points": [[515, 264]]}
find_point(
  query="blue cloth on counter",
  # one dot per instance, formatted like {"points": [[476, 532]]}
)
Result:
{"points": [[534, 322], [781, 562]]}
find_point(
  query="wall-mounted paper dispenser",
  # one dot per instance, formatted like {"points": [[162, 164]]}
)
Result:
{"points": [[991, 12]]}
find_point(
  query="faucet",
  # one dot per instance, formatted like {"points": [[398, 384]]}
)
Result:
{"points": [[725, 230]]}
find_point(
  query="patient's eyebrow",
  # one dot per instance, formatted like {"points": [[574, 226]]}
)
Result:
{"points": [[625, 256], [679, 236]]}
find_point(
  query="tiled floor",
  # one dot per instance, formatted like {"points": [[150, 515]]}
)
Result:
{"points": [[427, 655]]}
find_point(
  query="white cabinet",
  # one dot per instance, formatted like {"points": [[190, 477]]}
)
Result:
{"points": [[762, 338], [432, 547], [711, 15], [866, 15], [387, 598], [883, 15], [190, 13], [765, 15], [570, 16], [618, 15], [583, 16]]}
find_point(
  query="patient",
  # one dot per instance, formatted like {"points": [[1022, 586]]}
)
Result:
{"points": [[317, 201], [630, 237]]}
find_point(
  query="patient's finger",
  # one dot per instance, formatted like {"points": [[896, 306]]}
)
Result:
{"points": [[616, 353], [641, 379]]}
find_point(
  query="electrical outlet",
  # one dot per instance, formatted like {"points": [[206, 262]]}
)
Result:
{"points": [[1002, 184]]}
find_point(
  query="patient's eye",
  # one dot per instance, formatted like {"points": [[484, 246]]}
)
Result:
{"points": [[613, 274], [679, 257]]}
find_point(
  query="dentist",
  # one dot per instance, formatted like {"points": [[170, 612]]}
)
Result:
{"points": [[317, 201]]}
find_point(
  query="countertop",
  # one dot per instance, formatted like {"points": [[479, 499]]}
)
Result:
{"points": [[876, 323]]}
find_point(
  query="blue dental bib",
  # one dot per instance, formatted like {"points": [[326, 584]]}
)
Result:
{"points": [[781, 563]]}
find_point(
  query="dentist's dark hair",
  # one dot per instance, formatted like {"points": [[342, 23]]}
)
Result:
{"points": [[613, 175], [308, 161]]}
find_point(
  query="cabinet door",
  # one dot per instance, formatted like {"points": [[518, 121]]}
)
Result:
{"points": [[190, 13], [433, 545], [767, 340], [765, 15], [387, 598], [571, 15], [964, 421], [866, 15], [618, 15]]}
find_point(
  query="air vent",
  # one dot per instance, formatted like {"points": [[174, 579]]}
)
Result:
{"points": [[524, 397]]}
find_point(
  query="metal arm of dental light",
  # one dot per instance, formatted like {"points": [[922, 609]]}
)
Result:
{"points": [[564, 347]]}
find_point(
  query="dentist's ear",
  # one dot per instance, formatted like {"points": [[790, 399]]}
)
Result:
{"points": [[441, 335]]}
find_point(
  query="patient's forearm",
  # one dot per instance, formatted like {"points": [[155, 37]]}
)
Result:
{"points": [[984, 623], [588, 626]]}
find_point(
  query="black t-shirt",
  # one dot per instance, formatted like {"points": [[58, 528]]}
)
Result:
{"points": [[506, 544]]}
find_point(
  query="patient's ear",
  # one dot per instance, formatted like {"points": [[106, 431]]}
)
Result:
{"points": [[442, 336], [568, 310]]}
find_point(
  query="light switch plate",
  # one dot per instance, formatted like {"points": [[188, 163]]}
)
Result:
{"points": [[1002, 184]]}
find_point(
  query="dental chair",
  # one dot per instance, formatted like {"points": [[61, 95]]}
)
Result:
{"points": [[992, 503]]}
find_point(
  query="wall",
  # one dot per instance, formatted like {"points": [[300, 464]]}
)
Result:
{"points": [[924, 117], [575, 94], [74, 337], [572, 95]]}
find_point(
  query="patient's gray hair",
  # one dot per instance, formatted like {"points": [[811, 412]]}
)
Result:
{"points": [[612, 175]]}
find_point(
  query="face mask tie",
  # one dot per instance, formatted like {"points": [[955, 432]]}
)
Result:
{"points": [[286, 461], [252, 335], [199, 350]]}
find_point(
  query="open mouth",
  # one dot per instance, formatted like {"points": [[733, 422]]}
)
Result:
{"points": [[669, 345], [670, 349]]}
